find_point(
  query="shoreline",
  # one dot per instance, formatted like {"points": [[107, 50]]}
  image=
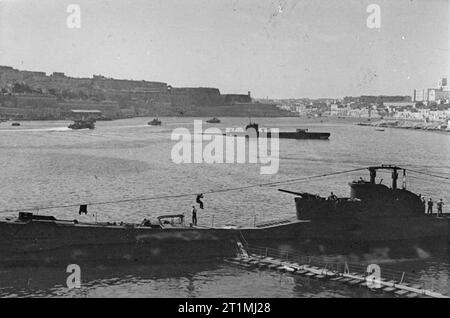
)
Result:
{"points": [[379, 123], [407, 124]]}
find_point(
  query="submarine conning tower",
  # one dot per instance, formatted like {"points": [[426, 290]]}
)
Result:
{"points": [[367, 199], [370, 190], [381, 199]]}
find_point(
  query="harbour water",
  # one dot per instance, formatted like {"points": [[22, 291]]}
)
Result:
{"points": [[45, 164]]}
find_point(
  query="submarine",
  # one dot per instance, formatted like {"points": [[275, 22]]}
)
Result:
{"points": [[213, 120], [297, 134], [372, 213]]}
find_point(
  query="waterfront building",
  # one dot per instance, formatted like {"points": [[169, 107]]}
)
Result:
{"points": [[439, 94]]}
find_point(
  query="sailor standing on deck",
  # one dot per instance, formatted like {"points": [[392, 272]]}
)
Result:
{"points": [[439, 207], [332, 197], [423, 202], [430, 206], [194, 215]]}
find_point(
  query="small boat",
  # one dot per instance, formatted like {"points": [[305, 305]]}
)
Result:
{"points": [[82, 124], [15, 124], [155, 122], [213, 120]]}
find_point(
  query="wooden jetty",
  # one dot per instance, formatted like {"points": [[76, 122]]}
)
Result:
{"points": [[328, 272]]}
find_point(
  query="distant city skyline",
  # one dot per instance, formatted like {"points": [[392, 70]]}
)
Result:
{"points": [[276, 49]]}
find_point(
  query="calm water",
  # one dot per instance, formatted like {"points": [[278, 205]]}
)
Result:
{"points": [[44, 164]]}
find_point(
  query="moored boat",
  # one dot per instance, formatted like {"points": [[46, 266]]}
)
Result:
{"points": [[155, 122], [373, 213], [298, 134], [82, 124], [214, 120]]}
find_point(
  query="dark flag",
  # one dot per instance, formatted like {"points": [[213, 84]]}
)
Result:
{"points": [[83, 209]]}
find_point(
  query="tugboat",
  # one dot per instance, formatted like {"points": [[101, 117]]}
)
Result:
{"points": [[83, 124], [155, 122], [373, 212], [213, 120], [298, 134]]}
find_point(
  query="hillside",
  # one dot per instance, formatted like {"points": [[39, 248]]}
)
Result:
{"points": [[36, 95]]}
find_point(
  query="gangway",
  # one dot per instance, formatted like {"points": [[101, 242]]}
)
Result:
{"points": [[387, 281]]}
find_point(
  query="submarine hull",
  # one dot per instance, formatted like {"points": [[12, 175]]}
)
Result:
{"points": [[355, 221], [303, 135], [53, 241], [50, 242]]}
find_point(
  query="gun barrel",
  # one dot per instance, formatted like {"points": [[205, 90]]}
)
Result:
{"points": [[290, 192]]}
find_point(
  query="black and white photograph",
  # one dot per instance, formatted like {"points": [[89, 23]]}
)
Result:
{"points": [[224, 154]]}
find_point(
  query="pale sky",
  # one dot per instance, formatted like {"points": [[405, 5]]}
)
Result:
{"points": [[279, 49]]}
